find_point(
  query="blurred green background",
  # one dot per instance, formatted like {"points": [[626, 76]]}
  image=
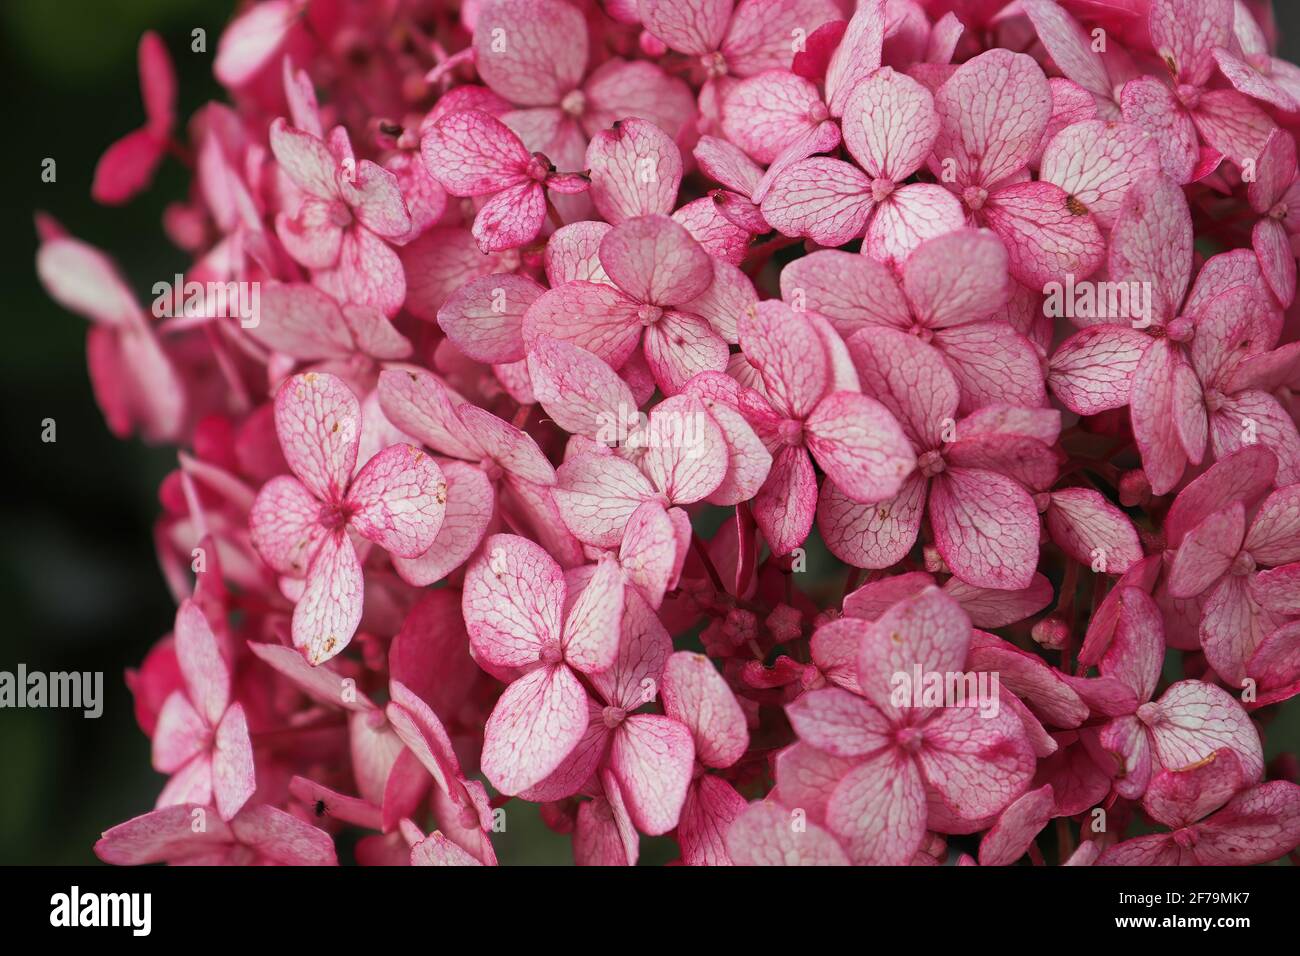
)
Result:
{"points": [[78, 580]]}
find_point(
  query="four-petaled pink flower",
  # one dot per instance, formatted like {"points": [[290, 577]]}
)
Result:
{"points": [[302, 525]]}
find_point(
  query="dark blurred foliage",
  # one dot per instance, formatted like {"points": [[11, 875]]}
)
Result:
{"points": [[79, 587]]}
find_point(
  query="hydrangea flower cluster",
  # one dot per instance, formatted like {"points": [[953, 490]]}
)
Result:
{"points": [[824, 433]]}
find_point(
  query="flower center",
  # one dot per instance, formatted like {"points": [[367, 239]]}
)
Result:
{"points": [[1042, 500], [574, 103], [910, 739], [715, 64], [1213, 399], [649, 314], [818, 112], [974, 197], [930, 464], [613, 716], [923, 333], [791, 431], [334, 517], [551, 654], [1189, 95], [882, 188], [491, 469], [539, 167], [1185, 838], [1180, 329], [340, 215], [1243, 564], [1279, 211]]}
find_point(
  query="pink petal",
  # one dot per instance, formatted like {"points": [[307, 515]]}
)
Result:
{"points": [[536, 722], [597, 495], [591, 627], [1046, 236], [1152, 242], [1084, 524], [318, 420], [205, 670], [686, 458], [787, 351], [233, 782], [1069, 45], [910, 216], [252, 39], [851, 291], [680, 346], [957, 278], [1178, 798], [635, 170], [1207, 552], [320, 683], [283, 838], [858, 55], [878, 810], [872, 535], [975, 764], [910, 379], [162, 835], [1194, 719], [419, 404], [655, 261], [532, 52], [992, 113], [767, 113], [82, 279], [305, 159], [837, 722], [127, 167], [511, 218], [1154, 420], [1185, 33], [697, 696], [643, 651], [825, 199], [986, 527], [180, 736], [890, 124], [399, 498], [859, 445], [929, 630], [760, 32], [1149, 105], [766, 835], [711, 806], [1098, 162], [993, 364], [472, 153], [652, 758], [1090, 372], [484, 318], [1013, 834], [1257, 826], [513, 598], [598, 317], [577, 389], [329, 611], [787, 502], [1276, 259], [572, 253]]}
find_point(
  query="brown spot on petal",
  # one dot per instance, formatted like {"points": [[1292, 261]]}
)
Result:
{"points": [[1076, 208]]}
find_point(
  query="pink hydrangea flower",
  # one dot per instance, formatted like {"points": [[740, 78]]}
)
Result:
{"points": [[507, 494], [302, 524]]}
